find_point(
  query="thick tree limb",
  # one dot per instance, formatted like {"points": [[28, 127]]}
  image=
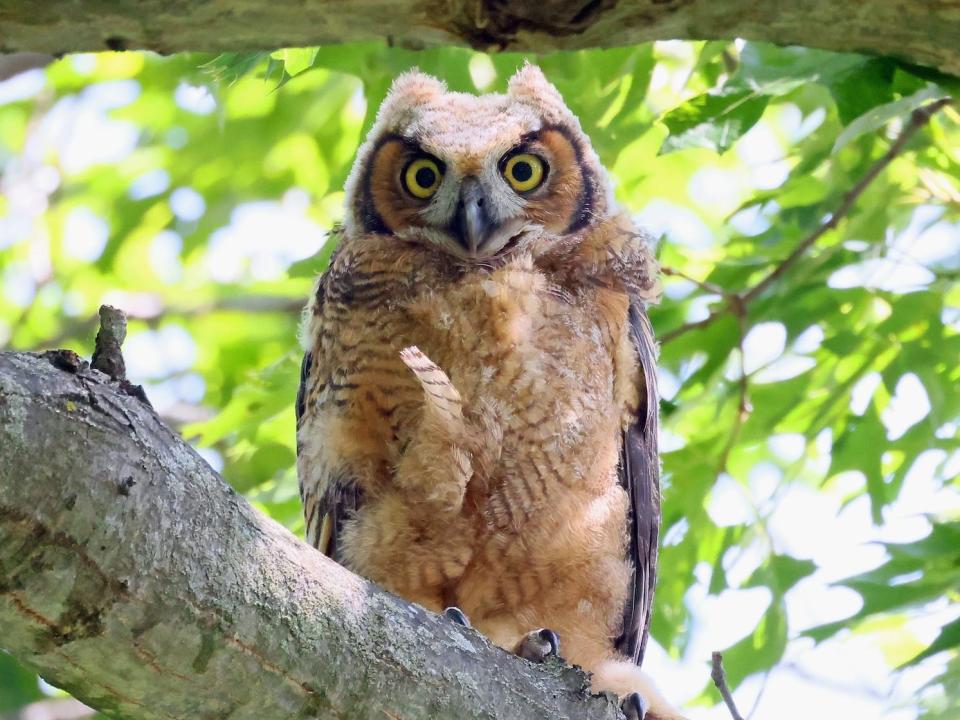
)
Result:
{"points": [[134, 577], [922, 31]]}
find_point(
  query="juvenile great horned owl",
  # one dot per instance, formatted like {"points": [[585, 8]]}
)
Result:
{"points": [[477, 416]]}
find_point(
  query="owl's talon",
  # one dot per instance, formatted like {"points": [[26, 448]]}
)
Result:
{"points": [[634, 706], [456, 615], [538, 645]]}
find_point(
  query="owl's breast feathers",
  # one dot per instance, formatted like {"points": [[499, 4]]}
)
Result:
{"points": [[551, 360]]}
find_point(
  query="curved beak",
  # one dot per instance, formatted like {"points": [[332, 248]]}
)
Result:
{"points": [[472, 225]]}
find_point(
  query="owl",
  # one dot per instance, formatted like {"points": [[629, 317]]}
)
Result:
{"points": [[477, 414]]}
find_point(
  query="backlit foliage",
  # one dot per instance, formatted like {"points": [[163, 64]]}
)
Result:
{"points": [[194, 193]]}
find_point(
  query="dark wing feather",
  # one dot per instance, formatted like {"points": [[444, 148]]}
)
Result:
{"points": [[328, 501], [306, 365], [640, 475]]}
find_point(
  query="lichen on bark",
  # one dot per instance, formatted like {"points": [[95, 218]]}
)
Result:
{"points": [[137, 579], [921, 31]]}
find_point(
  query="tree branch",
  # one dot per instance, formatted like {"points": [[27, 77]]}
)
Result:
{"points": [[719, 678], [920, 31], [918, 118], [107, 357], [737, 302], [744, 407], [134, 577]]}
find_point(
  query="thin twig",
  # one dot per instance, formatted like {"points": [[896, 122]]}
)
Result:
{"points": [[918, 119], [833, 684], [764, 684], [744, 407], [684, 329], [702, 284], [719, 678]]}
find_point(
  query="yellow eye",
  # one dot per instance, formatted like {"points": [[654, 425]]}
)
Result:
{"points": [[422, 178], [524, 171]]}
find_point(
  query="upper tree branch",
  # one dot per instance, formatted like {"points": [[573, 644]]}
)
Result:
{"points": [[921, 31], [134, 577]]}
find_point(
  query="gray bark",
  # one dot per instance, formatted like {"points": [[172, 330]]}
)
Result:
{"points": [[134, 577], [17, 63], [922, 31]]}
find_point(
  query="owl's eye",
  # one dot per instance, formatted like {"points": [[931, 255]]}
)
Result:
{"points": [[422, 177], [524, 171]]}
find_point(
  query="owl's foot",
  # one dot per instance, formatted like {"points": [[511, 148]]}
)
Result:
{"points": [[634, 707], [456, 615], [537, 645], [641, 698]]}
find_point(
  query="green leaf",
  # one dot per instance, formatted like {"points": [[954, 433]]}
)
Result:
{"points": [[860, 87], [860, 447], [230, 67], [18, 686], [296, 60], [261, 465], [276, 151], [787, 571], [884, 597], [262, 397], [943, 541], [949, 637], [714, 121], [761, 649], [949, 83], [881, 115]]}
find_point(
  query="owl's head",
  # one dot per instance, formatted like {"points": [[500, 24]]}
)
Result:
{"points": [[474, 176]]}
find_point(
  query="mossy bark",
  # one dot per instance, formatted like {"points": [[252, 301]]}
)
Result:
{"points": [[134, 577], [921, 31]]}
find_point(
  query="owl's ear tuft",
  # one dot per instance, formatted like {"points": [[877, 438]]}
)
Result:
{"points": [[409, 90], [531, 86], [529, 80]]}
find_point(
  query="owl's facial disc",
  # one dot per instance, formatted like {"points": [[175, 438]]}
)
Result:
{"points": [[482, 195], [476, 177]]}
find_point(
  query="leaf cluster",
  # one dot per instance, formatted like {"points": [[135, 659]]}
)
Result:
{"points": [[204, 210]]}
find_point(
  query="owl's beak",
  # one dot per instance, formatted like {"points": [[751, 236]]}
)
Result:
{"points": [[472, 225]]}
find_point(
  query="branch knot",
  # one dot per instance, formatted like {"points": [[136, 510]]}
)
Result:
{"points": [[107, 357]]}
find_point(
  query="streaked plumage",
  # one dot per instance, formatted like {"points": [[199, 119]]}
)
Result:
{"points": [[477, 416]]}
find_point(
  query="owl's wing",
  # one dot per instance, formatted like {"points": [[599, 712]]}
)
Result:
{"points": [[640, 476], [329, 498]]}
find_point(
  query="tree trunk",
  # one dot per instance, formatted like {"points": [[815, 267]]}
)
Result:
{"points": [[921, 31], [134, 577]]}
